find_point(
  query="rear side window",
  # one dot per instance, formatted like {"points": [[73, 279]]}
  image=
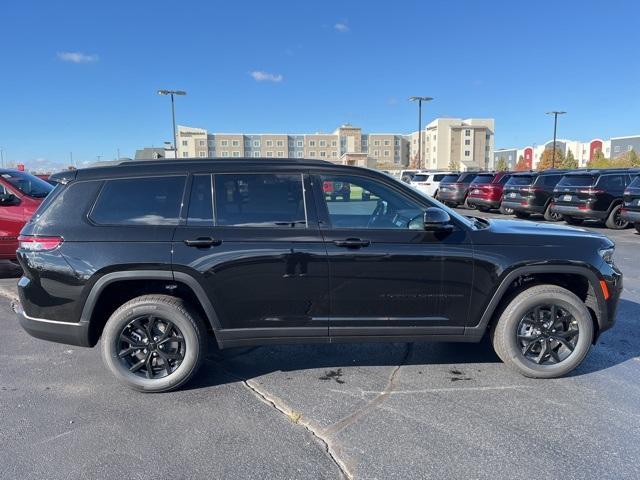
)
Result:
{"points": [[548, 180], [260, 200], [520, 180], [450, 178], [635, 182], [139, 201], [611, 181], [483, 179], [576, 181]]}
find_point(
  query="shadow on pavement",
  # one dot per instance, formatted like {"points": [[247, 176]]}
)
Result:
{"points": [[9, 269]]}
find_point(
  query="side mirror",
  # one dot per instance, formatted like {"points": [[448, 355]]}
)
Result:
{"points": [[436, 220], [7, 199]]}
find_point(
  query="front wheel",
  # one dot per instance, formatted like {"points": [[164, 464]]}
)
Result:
{"points": [[615, 220], [573, 220], [154, 343], [545, 332]]}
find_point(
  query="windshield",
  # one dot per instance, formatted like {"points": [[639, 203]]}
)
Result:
{"points": [[483, 179], [519, 180], [28, 184], [576, 181], [450, 178]]}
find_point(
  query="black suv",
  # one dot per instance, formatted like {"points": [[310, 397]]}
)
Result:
{"points": [[631, 207], [532, 192], [454, 189], [592, 195], [155, 257]]}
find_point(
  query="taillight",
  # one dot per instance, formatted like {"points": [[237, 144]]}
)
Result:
{"points": [[590, 191], [39, 244]]}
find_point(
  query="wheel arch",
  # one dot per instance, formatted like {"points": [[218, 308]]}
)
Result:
{"points": [[521, 278]]}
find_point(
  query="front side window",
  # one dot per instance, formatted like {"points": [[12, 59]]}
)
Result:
{"points": [[359, 202], [260, 200], [139, 201]]}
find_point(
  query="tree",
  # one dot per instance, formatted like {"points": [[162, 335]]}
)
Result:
{"points": [[546, 161], [501, 165], [599, 161], [454, 165], [570, 161], [628, 159], [521, 166]]}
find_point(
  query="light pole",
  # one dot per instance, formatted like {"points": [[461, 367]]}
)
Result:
{"points": [[555, 127], [420, 100], [173, 115], [2, 156]]}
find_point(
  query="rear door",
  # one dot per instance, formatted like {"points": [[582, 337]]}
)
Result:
{"points": [[251, 241], [610, 188]]}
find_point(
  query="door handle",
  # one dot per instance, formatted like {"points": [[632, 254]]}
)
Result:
{"points": [[352, 243], [203, 242]]}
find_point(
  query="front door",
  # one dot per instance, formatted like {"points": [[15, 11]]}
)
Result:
{"points": [[252, 242], [386, 271]]}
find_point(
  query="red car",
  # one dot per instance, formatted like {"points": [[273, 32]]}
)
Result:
{"points": [[485, 191], [20, 195]]}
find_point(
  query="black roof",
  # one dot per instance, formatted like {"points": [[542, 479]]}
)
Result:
{"points": [[598, 171]]}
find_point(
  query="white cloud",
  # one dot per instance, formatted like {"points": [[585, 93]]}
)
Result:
{"points": [[341, 27], [259, 76], [77, 57]]}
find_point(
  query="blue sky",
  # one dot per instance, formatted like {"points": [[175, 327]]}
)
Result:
{"points": [[82, 76]]}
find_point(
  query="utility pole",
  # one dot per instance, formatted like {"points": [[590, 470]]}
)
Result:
{"points": [[173, 115], [420, 100], [555, 127]]}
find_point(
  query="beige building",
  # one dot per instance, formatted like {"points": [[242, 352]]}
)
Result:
{"points": [[468, 142]]}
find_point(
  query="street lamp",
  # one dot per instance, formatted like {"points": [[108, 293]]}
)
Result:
{"points": [[420, 100], [555, 127], [173, 115]]}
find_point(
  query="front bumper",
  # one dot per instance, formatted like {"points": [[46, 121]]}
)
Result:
{"points": [[483, 202], [632, 216], [572, 211], [53, 330]]}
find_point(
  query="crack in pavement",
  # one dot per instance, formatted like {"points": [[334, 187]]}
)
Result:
{"points": [[375, 402]]}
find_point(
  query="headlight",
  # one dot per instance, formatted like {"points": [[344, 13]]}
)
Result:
{"points": [[607, 255]]}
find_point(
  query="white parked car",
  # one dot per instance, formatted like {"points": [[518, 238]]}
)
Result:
{"points": [[428, 182]]}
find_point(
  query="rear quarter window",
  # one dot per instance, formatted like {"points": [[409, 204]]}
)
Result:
{"points": [[139, 201], [576, 181]]}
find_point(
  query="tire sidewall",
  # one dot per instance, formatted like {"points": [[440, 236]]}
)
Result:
{"points": [[520, 306], [610, 223], [122, 317]]}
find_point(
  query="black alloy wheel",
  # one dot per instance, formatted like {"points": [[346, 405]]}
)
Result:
{"points": [[151, 347], [547, 334]]}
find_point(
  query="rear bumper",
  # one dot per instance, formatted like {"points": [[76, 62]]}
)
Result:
{"points": [[519, 207], [632, 216], [52, 330], [483, 202], [453, 196], [571, 211]]}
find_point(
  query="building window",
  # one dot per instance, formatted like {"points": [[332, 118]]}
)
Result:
{"points": [[312, 154], [323, 153], [212, 143], [616, 149], [299, 154], [185, 143], [397, 143], [467, 142], [396, 153], [434, 137], [323, 143], [387, 143], [225, 154], [201, 143], [334, 143], [256, 154], [467, 153], [269, 154], [235, 143], [376, 153], [467, 133], [365, 143], [334, 154], [185, 154], [300, 143], [434, 148], [312, 143], [224, 143], [269, 143], [280, 143], [211, 153], [202, 154], [256, 143], [236, 154], [281, 153], [386, 153], [376, 143]]}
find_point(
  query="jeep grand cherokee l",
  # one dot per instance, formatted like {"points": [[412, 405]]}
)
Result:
{"points": [[454, 188], [485, 191], [592, 195], [631, 207], [532, 192], [154, 257]]}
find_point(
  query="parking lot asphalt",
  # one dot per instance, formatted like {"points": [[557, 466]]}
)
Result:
{"points": [[432, 410]]}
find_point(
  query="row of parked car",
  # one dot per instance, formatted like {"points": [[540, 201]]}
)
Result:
{"points": [[608, 195]]}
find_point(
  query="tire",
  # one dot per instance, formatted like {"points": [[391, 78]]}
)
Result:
{"points": [[506, 211], [550, 216], [573, 220], [186, 325], [614, 220], [467, 205], [521, 214], [509, 345]]}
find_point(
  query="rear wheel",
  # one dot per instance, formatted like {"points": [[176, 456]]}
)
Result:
{"points": [[522, 214], [545, 332], [506, 210], [615, 220], [550, 216], [467, 205], [573, 220], [154, 343]]}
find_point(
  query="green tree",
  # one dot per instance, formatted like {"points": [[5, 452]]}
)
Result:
{"points": [[570, 161], [599, 160], [546, 161], [501, 165]]}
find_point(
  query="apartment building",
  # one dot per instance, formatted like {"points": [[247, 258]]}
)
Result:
{"points": [[466, 144], [582, 151], [465, 141]]}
